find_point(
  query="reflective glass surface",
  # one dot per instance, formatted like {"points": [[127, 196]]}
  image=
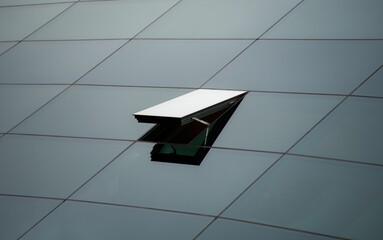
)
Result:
{"points": [[227, 230], [302, 66], [53, 62], [16, 23], [219, 19], [18, 102], [4, 46], [103, 112], [40, 166], [327, 19], [373, 86], [18, 214], [353, 132], [104, 20], [76, 220], [172, 63], [129, 55], [321, 196], [25, 2], [273, 122], [135, 180]]}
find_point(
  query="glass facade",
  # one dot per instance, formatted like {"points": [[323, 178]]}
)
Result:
{"points": [[300, 158]]}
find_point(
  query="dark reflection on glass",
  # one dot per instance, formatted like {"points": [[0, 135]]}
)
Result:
{"points": [[189, 143]]}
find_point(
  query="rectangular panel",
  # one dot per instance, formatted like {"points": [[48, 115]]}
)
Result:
{"points": [[329, 19], [321, 196], [219, 19], [51, 167], [16, 23], [135, 180], [76, 220], [53, 62], [103, 20], [190, 105], [18, 102], [18, 214]]}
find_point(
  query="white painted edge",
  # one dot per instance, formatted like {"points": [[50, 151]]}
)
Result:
{"points": [[189, 103]]}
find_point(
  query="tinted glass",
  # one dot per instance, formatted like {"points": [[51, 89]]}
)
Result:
{"points": [[227, 230], [165, 63], [5, 46], [373, 87], [273, 122], [353, 132], [53, 62], [135, 180], [17, 23], [230, 19], [94, 221], [24, 2], [17, 215], [104, 20], [40, 166], [103, 112], [18, 102], [302, 66], [332, 19], [321, 196]]}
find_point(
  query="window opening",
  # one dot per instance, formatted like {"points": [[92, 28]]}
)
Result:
{"points": [[188, 140]]}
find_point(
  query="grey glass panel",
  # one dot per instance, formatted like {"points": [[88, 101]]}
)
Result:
{"points": [[24, 2], [111, 19], [166, 63], [274, 122], [219, 19], [18, 102], [5, 46], [76, 220], [51, 167], [17, 23], [227, 230], [105, 112], [332, 19], [353, 132], [17, 215], [323, 196], [302, 66], [53, 62], [135, 180], [373, 86]]}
